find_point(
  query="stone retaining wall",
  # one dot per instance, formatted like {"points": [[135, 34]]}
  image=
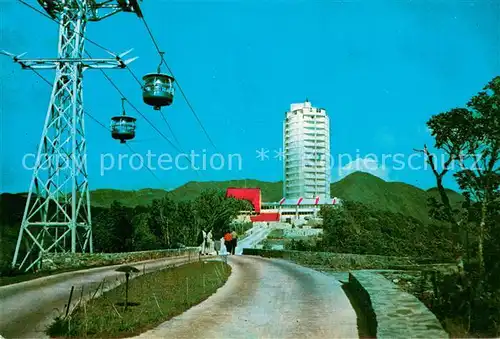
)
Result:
{"points": [[302, 232], [334, 261], [64, 261], [396, 314]]}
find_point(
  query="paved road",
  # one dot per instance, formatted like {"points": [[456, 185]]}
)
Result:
{"points": [[25, 309], [263, 298], [266, 298]]}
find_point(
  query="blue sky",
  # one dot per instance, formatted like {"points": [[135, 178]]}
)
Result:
{"points": [[380, 68]]}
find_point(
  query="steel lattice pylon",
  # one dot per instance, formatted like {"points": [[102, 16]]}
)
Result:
{"points": [[57, 215]]}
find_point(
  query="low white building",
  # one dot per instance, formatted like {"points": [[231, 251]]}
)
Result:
{"points": [[298, 211]]}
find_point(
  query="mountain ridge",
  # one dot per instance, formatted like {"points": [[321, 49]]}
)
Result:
{"points": [[397, 197]]}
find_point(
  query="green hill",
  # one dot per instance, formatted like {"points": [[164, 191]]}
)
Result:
{"points": [[104, 197], [362, 187], [395, 197], [271, 191]]}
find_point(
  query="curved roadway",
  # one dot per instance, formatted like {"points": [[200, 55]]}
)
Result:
{"points": [[267, 298], [263, 298], [27, 308]]}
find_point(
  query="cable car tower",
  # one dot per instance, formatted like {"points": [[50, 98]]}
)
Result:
{"points": [[58, 204]]}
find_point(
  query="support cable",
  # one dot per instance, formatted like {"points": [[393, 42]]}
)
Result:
{"points": [[99, 123], [136, 78], [109, 131], [161, 55], [170, 128], [178, 84]]}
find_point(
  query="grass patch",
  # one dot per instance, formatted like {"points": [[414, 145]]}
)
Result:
{"points": [[153, 299]]}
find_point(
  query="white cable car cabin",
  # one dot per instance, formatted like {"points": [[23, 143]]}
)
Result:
{"points": [[123, 128], [158, 90]]}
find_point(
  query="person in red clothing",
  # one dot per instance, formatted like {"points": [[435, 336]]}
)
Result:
{"points": [[234, 242], [228, 237]]}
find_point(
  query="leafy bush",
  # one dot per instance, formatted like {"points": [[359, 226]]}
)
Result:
{"points": [[276, 234], [361, 229], [464, 304], [241, 228], [118, 229]]}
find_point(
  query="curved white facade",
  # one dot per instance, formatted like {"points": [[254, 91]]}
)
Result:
{"points": [[306, 138]]}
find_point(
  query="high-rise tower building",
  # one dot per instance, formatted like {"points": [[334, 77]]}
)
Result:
{"points": [[306, 139]]}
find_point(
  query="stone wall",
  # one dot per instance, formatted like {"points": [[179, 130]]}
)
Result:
{"points": [[334, 261], [302, 232], [68, 261], [396, 313]]}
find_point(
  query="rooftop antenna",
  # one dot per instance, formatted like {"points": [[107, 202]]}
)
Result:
{"points": [[59, 197]]}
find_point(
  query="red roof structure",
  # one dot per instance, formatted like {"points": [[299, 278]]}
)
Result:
{"points": [[250, 194], [265, 217]]}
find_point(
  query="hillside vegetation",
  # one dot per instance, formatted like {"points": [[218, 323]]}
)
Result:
{"points": [[396, 197], [128, 220], [271, 191], [165, 223], [361, 187], [362, 229]]}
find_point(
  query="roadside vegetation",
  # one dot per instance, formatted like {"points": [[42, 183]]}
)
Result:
{"points": [[152, 299], [277, 234], [240, 228], [469, 138], [165, 224], [362, 229], [275, 238]]}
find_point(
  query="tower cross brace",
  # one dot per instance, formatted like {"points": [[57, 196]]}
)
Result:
{"points": [[57, 213]]}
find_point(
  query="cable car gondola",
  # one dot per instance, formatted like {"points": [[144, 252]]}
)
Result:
{"points": [[123, 127], [158, 90]]}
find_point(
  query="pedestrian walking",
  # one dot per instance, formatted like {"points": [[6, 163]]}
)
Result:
{"points": [[234, 241], [228, 241]]}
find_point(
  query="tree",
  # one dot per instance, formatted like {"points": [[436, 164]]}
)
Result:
{"points": [[143, 238], [186, 226], [481, 181], [214, 211], [470, 137], [113, 229], [337, 228], [452, 131], [162, 216]]}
